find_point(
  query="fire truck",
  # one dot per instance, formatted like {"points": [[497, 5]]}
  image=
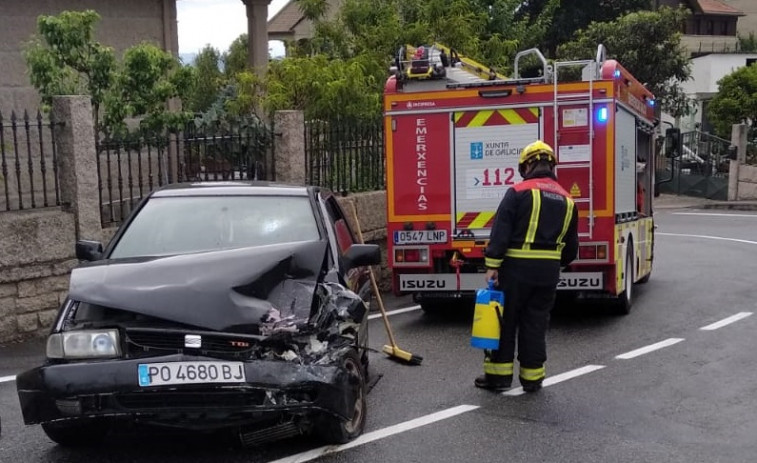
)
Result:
{"points": [[454, 130]]}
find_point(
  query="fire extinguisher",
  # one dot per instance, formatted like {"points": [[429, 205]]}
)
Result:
{"points": [[487, 317]]}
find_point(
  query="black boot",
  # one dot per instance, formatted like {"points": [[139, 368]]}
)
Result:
{"points": [[530, 386], [493, 382]]}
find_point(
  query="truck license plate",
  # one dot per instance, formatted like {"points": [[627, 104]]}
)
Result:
{"points": [[171, 373], [420, 236]]}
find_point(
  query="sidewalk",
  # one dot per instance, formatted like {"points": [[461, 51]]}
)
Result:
{"points": [[669, 201]]}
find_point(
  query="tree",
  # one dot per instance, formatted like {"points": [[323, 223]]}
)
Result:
{"points": [[748, 43], [208, 80], [568, 17], [65, 60], [149, 77], [736, 101], [648, 44], [235, 58]]}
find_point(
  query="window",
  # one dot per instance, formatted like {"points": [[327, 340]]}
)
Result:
{"points": [[182, 225]]}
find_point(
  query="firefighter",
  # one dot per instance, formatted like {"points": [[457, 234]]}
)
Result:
{"points": [[534, 235]]}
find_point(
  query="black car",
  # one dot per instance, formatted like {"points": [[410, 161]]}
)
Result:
{"points": [[215, 305]]}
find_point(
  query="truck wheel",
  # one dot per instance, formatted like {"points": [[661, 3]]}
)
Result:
{"points": [[625, 300], [77, 433], [335, 430]]}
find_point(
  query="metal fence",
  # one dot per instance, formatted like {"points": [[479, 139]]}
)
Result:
{"points": [[28, 162], [129, 168], [701, 169], [345, 156]]}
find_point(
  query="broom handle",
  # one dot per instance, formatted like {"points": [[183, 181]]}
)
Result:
{"points": [[374, 285]]}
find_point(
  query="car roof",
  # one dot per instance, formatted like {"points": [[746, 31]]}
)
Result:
{"points": [[234, 188]]}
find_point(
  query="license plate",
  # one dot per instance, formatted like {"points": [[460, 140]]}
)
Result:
{"points": [[164, 374], [420, 236]]}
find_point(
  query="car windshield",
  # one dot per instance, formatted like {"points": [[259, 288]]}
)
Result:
{"points": [[182, 225]]}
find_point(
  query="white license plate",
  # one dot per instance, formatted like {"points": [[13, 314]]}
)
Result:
{"points": [[420, 236], [164, 374]]}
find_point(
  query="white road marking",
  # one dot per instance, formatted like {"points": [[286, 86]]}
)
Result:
{"points": [[550, 380], [720, 238], [714, 214], [649, 348], [395, 312], [7, 379], [378, 434], [726, 321]]}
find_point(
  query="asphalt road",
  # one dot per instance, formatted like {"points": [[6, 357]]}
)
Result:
{"points": [[671, 382]]}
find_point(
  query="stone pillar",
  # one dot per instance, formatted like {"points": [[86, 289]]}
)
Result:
{"points": [[739, 140], [257, 33], [290, 147], [77, 160]]}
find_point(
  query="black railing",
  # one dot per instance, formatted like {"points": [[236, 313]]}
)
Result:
{"points": [[129, 168], [28, 162], [701, 169], [345, 156]]}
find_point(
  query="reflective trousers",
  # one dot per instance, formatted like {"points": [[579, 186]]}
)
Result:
{"points": [[526, 317]]}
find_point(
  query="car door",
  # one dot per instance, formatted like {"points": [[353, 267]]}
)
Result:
{"points": [[356, 278]]}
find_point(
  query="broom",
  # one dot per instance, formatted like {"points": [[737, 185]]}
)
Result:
{"points": [[392, 350]]}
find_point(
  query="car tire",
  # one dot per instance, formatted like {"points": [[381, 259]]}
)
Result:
{"points": [[335, 430], [77, 433]]}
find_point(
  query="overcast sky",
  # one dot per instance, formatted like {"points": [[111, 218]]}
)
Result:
{"points": [[214, 22]]}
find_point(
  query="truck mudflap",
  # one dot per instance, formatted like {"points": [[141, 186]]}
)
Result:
{"points": [[445, 282]]}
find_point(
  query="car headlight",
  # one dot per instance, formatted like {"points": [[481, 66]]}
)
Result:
{"points": [[83, 344]]}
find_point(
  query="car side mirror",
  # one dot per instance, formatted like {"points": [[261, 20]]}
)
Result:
{"points": [[360, 255], [89, 250]]}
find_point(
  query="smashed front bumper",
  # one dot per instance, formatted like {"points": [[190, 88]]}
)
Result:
{"points": [[111, 388]]}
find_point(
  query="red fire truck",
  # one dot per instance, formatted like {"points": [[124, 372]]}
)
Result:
{"points": [[454, 131]]}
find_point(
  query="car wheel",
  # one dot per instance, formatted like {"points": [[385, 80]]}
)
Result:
{"points": [[77, 433], [335, 430]]}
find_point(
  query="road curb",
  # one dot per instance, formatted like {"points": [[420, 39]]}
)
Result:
{"points": [[735, 206]]}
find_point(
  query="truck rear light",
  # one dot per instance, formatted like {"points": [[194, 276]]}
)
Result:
{"points": [[411, 256], [593, 251], [602, 251], [587, 252]]}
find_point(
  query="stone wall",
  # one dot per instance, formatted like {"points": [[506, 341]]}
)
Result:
{"points": [[36, 256], [747, 182]]}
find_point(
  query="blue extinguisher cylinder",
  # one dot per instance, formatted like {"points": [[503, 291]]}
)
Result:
{"points": [[490, 304]]}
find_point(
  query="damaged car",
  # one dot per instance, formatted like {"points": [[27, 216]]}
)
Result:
{"points": [[219, 305]]}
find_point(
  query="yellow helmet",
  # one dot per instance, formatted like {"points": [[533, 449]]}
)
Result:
{"points": [[537, 151]]}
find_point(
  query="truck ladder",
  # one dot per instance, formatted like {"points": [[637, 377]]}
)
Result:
{"points": [[595, 68]]}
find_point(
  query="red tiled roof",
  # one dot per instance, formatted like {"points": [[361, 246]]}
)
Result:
{"points": [[718, 7], [285, 20]]}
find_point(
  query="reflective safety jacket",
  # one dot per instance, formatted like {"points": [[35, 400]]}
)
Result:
{"points": [[535, 232]]}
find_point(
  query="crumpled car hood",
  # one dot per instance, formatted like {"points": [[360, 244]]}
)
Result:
{"points": [[232, 290]]}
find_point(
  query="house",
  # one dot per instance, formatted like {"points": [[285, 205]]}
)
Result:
{"points": [[122, 24], [290, 24], [712, 26]]}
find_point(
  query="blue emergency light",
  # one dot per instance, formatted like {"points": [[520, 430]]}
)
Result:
{"points": [[602, 114], [617, 73]]}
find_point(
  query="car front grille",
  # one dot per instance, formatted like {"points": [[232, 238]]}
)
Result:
{"points": [[160, 400], [213, 399], [141, 342]]}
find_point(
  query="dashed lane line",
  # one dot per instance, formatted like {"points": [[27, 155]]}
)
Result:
{"points": [[726, 321], [378, 434], [650, 348], [7, 379], [716, 214], [719, 238], [549, 381]]}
